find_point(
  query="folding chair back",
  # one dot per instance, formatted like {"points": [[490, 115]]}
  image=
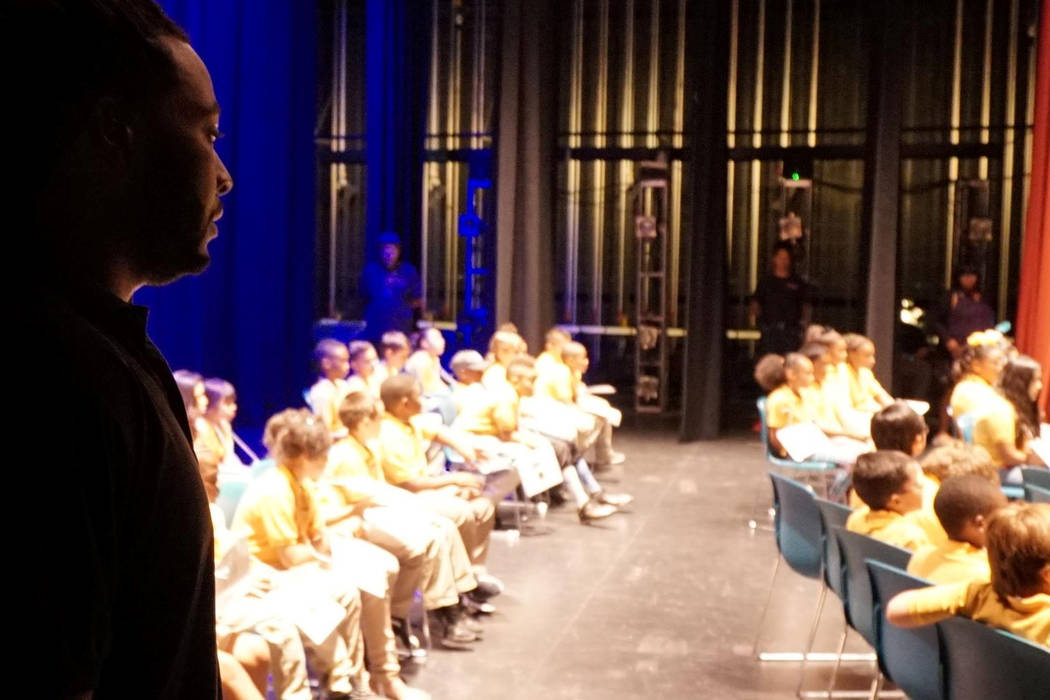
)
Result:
{"points": [[984, 662], [856, 549], [833, 515], [908, 657], [797, 525]]}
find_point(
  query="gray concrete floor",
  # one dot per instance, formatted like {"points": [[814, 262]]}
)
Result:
{"points": [[660, 602]]}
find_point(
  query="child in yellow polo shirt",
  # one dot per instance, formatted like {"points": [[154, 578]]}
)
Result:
{"points": [[1007, 425], [286, 530], [553, 341], [976, 373], [1018, 597], [333, 364], [458, 496], [963, 506], [365, 371], [866, 393], [393, 519], [888, 483], [504, 346]]}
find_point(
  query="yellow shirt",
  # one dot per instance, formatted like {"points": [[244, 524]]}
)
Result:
{"points": [[996, 425], [356, 382], [277, 510], [324, 399], [972, 394], [864, 388], [1026, 617], [888, 526], [404, 449], [352, 474], [485, 412], [821, 407], [545, 361], [925, 518], [556, 382], [784, 407], [427, 369], [495, 377], [950, 562]]}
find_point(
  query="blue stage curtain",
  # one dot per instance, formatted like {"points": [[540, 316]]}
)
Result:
{"points": [[397, 60], [248, 317]]}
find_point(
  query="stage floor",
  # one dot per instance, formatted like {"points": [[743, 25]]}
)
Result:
{"points": [[659, 602]]}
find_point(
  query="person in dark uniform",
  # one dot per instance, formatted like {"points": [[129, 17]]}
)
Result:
{"points": [[966, 311], [780, 304], [391, 290], [121, 190]]}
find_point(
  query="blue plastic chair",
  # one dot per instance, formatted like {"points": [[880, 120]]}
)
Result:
{"points": [[809, 467], [796, 528], [262, 466], [908, 657], [1036, 494], [229, 496], [833, 515], [984, 662], [1036, 476]]}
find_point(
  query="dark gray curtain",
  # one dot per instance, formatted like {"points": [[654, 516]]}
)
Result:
{"points": [[708, 25], [526, 172]]}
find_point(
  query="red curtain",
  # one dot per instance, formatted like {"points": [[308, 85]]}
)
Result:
{"points": [[1033, 311]]}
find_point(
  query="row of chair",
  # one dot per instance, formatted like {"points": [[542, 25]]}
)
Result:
{"points": [[957, 659]]}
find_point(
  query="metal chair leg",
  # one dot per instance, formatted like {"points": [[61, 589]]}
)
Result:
{"points": [[838, 660], [811, 638], [765, 609], [876, 686]]}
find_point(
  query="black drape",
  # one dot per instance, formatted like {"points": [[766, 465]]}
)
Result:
{"points": [[397, 63], [708, 54], [526, 169]]}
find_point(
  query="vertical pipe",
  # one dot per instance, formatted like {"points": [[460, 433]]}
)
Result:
{"points": [[675, 232], [337, 171], [652, 117], [431, 173], [599, 183], [731, 126], [452, 190], [986, 85], [624, 224], [572, 166], [953, 137], [756, 140], [814, 73], [1009, 144], [785, 90]]}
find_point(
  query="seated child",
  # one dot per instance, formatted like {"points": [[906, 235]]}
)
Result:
{"points": [[216, 430], [956, 458], [504, 346], [365, 371], [963, 506], [395, 348], [1018, 597], [829, 415], [391, 518], [976, 374], [866, 393], [280, 514], [333, 364], [791, 401], [899, 427], [458, 496], [425, 362], [1006, 427], [574, 356], [888, 483]]}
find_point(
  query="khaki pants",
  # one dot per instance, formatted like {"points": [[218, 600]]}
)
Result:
{"points": [[379, 646], [420, 538], [253, 613], [473, 518]]}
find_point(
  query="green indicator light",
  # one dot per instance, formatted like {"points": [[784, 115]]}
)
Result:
{"points": [[794, 176]]}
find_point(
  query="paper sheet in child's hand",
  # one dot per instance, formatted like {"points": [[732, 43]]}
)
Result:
{"points": [[315, 615], [803, 440]]}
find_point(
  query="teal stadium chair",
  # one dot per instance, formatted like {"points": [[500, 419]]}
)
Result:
{"points": [[982, 663], [807, 468], [911, 658], [796, 529], [859, 605], [1035, 494], [230, 495], [965, 425], [1036, 476]]}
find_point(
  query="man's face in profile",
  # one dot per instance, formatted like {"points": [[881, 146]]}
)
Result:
{"points": [[390, 253], [176, 176]]}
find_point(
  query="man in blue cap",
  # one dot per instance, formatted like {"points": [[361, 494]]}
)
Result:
{"points": [[391, 289]]}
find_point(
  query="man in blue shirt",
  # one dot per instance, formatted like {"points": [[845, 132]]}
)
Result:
{"points": [[391, 289]]}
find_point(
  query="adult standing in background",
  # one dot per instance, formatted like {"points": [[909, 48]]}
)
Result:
{"points": [[122, 189], [966, 311], [391, 290], [780, 305]]}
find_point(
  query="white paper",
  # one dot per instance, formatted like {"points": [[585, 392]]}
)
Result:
{"points": [[1041, 447], [803, 440], [920, 407], [309, 608], [1044, 431], [370, 579], [596, 405], [601, 389]]}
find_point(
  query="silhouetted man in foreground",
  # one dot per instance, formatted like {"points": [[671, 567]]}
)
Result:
{"points": [[121, 189]]}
